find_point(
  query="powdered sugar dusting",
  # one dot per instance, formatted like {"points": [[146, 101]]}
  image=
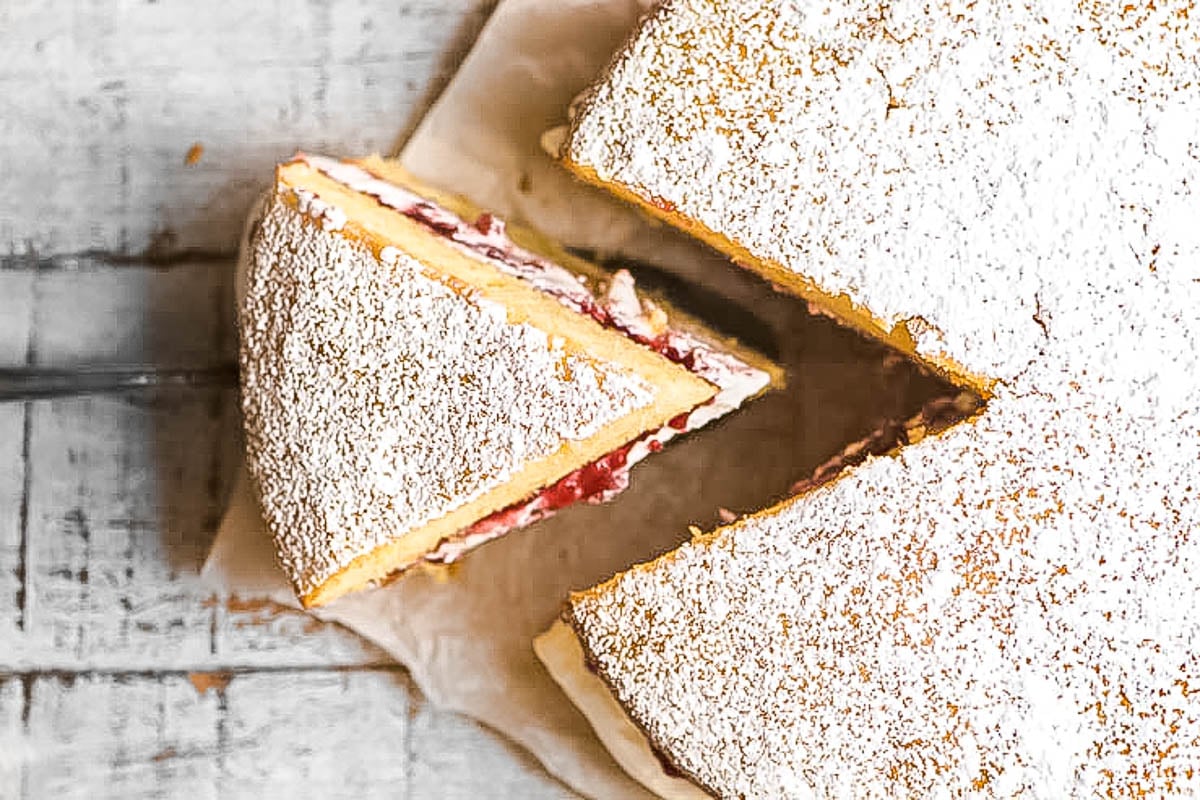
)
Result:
{"points": [[736, 383], [854, 140], [1005, 609], [331, 217], [377, 399]]}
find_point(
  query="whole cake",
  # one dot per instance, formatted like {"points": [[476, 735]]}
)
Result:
{"points": [[1010, 193], [417, 379]]}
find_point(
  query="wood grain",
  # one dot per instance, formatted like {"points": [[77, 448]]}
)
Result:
{"points": [[334, 733], [133, 136], [101, 103]]}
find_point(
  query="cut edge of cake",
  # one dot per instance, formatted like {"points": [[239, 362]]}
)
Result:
{"points": [[564, 653], [841, 307], [329, 208], [559, 648]]}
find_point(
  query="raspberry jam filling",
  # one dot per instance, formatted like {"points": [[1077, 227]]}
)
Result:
{"points": [[597, 482], [621, 309]]}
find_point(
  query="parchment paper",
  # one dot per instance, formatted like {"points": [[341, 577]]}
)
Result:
{"points": [[467, 638]]}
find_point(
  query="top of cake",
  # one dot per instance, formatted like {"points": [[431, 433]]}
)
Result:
{"points": [[981, 157], [1005, 607], [379, 397]]}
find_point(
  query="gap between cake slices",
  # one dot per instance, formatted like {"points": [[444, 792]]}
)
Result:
{"points": [[563, 652], [561, 648]]}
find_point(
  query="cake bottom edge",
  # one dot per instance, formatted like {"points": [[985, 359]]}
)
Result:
{"points": [[561, 652]]}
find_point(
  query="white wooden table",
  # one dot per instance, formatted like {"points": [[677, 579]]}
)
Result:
{"points": [[120, 677]]}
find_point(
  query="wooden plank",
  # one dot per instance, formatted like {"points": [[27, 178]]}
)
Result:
{"points": [[180, 317], [453, 757], [331, 734], [361, 733], [101, 104], [16, 322], [13, 748], [16, 327], [106, 736], [123, 500], [179, 735], [117, 514], [14, 448]]}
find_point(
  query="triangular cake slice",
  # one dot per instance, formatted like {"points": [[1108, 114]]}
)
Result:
{"points": [[417, 379], [1007, 192]]}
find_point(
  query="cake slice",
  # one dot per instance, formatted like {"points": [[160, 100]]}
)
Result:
{"points": [[417, 379], [1006, 192]]}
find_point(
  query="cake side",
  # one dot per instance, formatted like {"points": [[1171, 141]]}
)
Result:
{"points": [[594, 275], [390, 231], [561, 653], [363, 381]]}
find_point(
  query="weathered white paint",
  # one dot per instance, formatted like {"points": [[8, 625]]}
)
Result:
{"points": [[16, 302], [100, 103], [179, 316], [108, 504], [12, 493], [451, 759], [360, 733]]}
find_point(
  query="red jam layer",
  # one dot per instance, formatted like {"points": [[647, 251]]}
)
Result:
{"points": [[594, 483]]}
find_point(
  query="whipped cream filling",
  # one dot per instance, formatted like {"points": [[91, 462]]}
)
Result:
{"points": [[620, 308]]}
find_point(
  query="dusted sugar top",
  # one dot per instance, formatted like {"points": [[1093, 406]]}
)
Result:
{"points": [[941, 168], [1009, 608], [378, 397]]}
